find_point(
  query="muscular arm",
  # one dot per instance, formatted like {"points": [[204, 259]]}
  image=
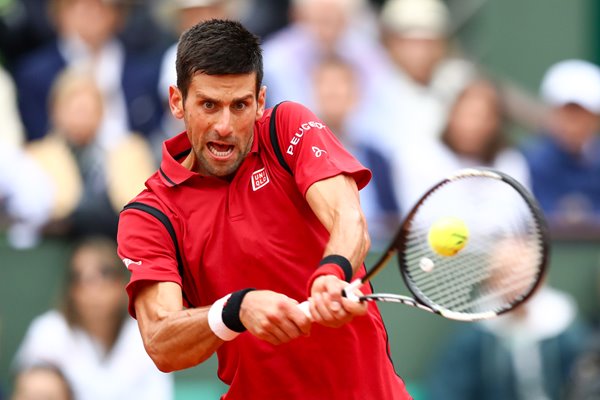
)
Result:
{"points": [[174, 337], [336, 203], [177, 338]]}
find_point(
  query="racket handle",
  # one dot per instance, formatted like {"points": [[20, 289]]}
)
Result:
{"points": [[305, 308], [348, 293]]}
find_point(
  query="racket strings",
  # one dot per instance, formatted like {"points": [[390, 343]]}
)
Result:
{"points": [[500, 263]]}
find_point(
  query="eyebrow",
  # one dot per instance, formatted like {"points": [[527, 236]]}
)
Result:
{"points": [[203, 96]]}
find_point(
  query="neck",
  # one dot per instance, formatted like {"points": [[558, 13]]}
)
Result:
{"points": [[105, 332]]}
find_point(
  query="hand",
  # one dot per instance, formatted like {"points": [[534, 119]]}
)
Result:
{"points": [[327, 305], [273, 317]]}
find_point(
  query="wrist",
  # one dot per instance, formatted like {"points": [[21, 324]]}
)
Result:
{"points": [[334, 264], [224, 315]]}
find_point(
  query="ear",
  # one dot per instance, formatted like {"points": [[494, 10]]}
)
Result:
{"points": [[176, 102], [262, 99]]}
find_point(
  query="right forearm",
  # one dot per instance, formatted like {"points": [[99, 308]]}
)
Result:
{"points": [[179, 340]]}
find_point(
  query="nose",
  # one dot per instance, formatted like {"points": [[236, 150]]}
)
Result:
{"points": [[223, 125]]}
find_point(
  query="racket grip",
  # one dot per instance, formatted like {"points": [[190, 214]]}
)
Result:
{"points": [[305, 308], [348, 291]]}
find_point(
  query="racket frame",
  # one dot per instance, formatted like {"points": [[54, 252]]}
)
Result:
{"points": [[398, 245]]}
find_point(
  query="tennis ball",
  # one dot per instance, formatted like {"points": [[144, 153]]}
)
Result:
{"points": [[447, 236]]}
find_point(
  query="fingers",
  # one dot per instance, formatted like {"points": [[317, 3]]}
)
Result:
{"points": [[286, 326], [329, 307], [273, 317]]}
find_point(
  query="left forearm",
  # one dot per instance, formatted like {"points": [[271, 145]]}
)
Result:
{"points": [[336, 203], [349, 237]]}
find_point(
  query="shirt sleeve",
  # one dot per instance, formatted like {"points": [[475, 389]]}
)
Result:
{"points": [[147, 251], [311, 150]]}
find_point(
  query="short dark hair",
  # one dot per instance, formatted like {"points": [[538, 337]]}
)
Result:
{"points": [[217, 47]]}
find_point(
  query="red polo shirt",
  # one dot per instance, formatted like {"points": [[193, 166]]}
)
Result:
{"points": [[259, 231]]}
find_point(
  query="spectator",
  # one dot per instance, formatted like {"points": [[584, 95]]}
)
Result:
{"points": [[25, 196], [24, 27], [264, 17], [474, 136], [91, 338], [585, 383], [41, 382], [422, 77], [319, 28], [91, 182], [585, 380], [11, 128], [524, 355], [337, 93], [87, 37], [565, 159]]}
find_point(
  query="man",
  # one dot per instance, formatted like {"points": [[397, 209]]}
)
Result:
{"points": [[234, 210], [565, 158], [87, 38], [186, 13]]}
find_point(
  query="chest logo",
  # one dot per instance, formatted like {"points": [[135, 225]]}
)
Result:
{"points": [[260, 178]]}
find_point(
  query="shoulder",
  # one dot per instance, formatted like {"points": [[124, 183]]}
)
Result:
{"points": [[50, 321], [539, 147], [41, 63], [146, 218], [513, 162], [132, 149], [287, 119], [293, 118], [46, 338], [291, 108]]}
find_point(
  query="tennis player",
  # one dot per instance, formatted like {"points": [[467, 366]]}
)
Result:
{"points": [[251, 212]]}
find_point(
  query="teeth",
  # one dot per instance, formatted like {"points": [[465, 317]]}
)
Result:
{"points": [[220, 153]]}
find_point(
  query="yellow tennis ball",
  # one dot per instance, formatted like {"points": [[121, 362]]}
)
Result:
{"points": [[447, 236]]}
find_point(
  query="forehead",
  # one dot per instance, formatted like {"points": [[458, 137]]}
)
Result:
{"points": [[222, 87]]}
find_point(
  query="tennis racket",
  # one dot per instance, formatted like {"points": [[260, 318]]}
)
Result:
{"points": [[473, 247]]}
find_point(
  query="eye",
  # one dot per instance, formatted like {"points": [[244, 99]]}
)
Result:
{"points": [[209, 105], [239, 106]]}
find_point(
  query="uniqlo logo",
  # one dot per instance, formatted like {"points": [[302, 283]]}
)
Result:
{"points": [[259, 179]]}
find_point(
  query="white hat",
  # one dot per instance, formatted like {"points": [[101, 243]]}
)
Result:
{"points": [[572, 81], [416, 18], [181, 4]]}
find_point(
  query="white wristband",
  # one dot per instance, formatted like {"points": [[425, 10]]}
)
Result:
{"points": [[215, 321]]}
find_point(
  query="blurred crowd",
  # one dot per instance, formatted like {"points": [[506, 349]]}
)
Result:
{"points": [[84, 111]]}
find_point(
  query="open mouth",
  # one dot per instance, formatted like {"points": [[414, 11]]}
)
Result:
{"points": [[220, 150]]}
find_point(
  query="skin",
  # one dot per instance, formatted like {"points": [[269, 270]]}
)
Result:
{"points": [[77, 111], [574, 126], [418, 57], [40, 383], [99, 301], [326, 20], [475, 120], [93, 21], [337, 94], [221, 111]]}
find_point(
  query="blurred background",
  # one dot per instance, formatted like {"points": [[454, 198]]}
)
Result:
{"points": [[414, 88]]}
